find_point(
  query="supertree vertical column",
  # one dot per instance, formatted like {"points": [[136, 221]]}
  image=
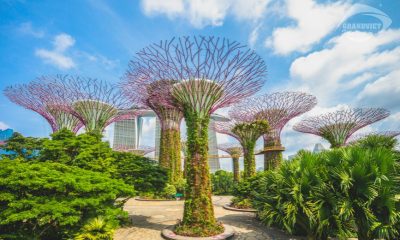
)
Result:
{"points": [[49, 104], [278, 109], [235, 151], [169, 118], [336, 127], [94, 102], [211, 73], [246, 131]]}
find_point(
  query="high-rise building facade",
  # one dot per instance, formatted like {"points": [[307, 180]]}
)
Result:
{"points": [[125, 134]]}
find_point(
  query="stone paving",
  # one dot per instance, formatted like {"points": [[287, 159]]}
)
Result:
{"points": [[149, 218]]}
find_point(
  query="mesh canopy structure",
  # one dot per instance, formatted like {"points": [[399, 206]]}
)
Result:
{"points": [[336, 127]]}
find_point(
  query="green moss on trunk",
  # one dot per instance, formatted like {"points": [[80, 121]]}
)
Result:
{"points": [[170, 153], [198, 213], [236, 170], [249, 159], [272, 160]]}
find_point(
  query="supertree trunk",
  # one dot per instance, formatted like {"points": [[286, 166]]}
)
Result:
{"points": [[236, 169], [273, 151], [198, 211], [249, 159], [170, 153]]}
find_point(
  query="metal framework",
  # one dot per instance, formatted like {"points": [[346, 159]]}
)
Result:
{"points": [[336, 127], [235, 151], [94, 102], [49, 105], [141, 150], [210, 72], [356, 137], [278, 109]]}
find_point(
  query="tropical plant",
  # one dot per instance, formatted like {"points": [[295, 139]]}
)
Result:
{"points": [[96, 229], [222, 182], [46, 200]]}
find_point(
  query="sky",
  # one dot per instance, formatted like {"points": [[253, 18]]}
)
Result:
{"points": [[346, 53]]}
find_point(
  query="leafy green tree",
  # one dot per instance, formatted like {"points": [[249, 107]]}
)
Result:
{"points": [[146, 175], [22, 147], [46, 200], [222, 182], [86, 151]]}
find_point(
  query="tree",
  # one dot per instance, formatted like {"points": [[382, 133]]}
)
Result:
{"points": [[337, 127], [22, 147], [86, 151], [211, 73], [170, 118], [47, 200], [44, 98], [222, 182], [146, 175], [246, 131], [277, 109]]}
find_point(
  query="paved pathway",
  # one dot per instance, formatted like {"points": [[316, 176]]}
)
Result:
{"points": [[149, 218]]}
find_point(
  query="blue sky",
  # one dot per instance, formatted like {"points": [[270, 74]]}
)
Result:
{"points": [[305, 44]]}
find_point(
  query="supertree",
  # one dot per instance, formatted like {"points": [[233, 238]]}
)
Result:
{"points": [[33, 96], [94, 102], [336, 127], [358, 136], [278, 109], [141, 150], [247, 132], [211, 73], [170, 118], [235, 151]]}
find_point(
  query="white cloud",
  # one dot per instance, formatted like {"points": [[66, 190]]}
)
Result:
{"points": [[346, 63], [313, 21], [3, 126], [201, 13], [28, 29], [383, 92], [57, 56]]}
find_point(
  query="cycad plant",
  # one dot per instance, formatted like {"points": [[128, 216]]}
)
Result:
{"points": [[366, 181], [96, 229]]}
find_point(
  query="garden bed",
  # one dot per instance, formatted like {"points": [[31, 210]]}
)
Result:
{"points": [[232, 208], [169, 234]]}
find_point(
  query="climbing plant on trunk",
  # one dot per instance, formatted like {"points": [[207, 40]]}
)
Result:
{"points": [[211, 73]]}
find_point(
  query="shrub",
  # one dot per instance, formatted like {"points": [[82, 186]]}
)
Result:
{"points": [[96, 229], [336, 193], [146, 175], [47, 200], [222, 182]]}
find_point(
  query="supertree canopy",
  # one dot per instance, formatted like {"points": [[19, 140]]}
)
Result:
{"points": [[33, 96], [141, 150], [278, 109], [94, 102], [336, 127], [246, 132], [211, 73], [235, 151], [170, 117], [358, 136]]}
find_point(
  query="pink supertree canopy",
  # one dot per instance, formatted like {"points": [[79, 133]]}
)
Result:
{"points": [[211, 72], [94, 102], [277, 108], [338, 126], [358, 136], [33, 96]]}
